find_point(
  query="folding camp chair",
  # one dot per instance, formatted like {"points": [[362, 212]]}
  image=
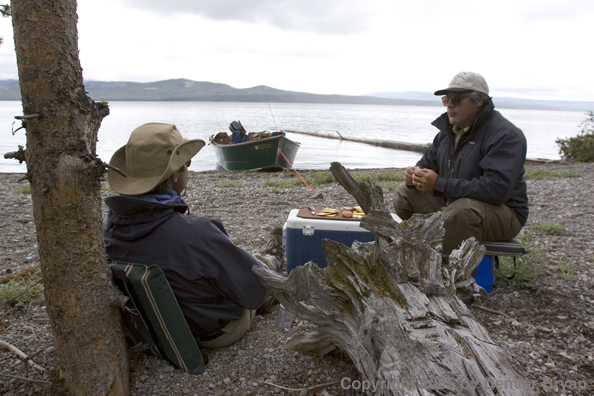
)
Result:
{"points": [[152, 316], [494, 250]]}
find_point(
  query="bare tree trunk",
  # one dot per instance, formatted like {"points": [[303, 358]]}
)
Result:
{"points": [[62, 124], [392, 306]]}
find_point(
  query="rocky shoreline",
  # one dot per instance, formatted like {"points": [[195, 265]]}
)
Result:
{"points": [[548, 333]]}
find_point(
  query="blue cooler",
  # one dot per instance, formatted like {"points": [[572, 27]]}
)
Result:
{"points": [[484, 273], [302, 237]]}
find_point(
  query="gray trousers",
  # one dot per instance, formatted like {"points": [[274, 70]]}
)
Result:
{"points": [[462, 219]]}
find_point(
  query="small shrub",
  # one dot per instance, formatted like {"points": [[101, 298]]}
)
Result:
{"points": [[523, 273], [540, 174], [283, 183], [388, 175], [386, 179], [319, 178], [21, 290], [24, 189], [567, 270], [276, 190], [389, 185], [581, 147], [232, 184], [550, 228], [391, 175]]}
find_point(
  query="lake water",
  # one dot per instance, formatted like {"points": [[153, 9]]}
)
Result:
{"points": [[199, 120]]}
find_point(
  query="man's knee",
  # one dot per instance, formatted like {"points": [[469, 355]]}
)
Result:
{"points": [[402, 206], [408, 201], [463, 209]]}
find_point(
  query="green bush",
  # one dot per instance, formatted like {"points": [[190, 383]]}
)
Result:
{"points": [[386, 178], [540, 174], [547, 227], [21, 291], [379, 176], [567, 269], [283, 183], [525, 270], [24, 189], [319, 178], [232, 184], [581, 147]]}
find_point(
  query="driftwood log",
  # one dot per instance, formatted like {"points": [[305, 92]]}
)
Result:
{"points": [[419, 148], [391, 305]]}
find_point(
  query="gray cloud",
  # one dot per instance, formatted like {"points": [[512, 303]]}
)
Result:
{"points": [[311, 16]]}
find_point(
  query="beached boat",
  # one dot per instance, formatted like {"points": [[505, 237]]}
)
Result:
{"points": [[254, 150]]}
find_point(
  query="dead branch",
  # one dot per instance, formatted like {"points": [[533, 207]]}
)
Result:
{"points": [[25, 379], [493, 311], [18, 155], [20, 354], [301, 389], [113, 168]]}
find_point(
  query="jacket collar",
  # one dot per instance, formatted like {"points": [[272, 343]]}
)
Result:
{"points": [[443, 123]]}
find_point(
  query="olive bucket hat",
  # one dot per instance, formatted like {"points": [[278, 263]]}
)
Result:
{"points": [[154, 152]]}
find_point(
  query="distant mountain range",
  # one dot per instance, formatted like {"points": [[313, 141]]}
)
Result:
{"points": [[503, 102], [200, 91]]}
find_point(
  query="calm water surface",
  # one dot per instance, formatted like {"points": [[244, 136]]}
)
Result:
{"points": [[199, 120]]}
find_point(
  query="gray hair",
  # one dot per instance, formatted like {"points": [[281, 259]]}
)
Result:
{"points": [[477, 96]]}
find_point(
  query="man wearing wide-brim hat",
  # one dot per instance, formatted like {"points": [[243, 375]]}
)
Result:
{"points": [[211, 277], [473, 171]]}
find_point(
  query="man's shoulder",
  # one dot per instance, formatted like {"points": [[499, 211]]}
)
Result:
{"points": [[191, 218], [499, 119], [197, 225], [499, 125]]}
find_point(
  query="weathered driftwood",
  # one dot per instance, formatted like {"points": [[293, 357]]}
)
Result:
{"points": [[391, 144], [391, 305]]}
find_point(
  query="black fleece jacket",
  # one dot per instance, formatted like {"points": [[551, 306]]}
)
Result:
{"points": [[210, 276], [487, 164]]}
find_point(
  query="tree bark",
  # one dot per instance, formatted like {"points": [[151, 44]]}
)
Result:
{"points": [[391, 305], [62, 123]]}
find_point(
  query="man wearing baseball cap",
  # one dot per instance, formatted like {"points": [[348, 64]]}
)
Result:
{"points": [[473, 171], [211, 277]]}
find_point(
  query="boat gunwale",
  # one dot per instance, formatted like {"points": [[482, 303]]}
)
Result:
{"points": [[243, 144]]}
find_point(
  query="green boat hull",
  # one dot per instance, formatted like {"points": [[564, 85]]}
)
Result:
{"points": [[263, 154]]}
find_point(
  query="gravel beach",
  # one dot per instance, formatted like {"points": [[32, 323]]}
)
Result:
{"points": [[547, 330]]}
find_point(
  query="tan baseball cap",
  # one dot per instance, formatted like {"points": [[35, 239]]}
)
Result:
{"points": [[154, 152], [466, 81]]}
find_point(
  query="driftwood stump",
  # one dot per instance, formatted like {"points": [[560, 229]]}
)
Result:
{"points": [[391, 305]]}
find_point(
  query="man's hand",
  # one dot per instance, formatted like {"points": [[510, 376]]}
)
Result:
{"points": [[423, 179], [408, 176]]}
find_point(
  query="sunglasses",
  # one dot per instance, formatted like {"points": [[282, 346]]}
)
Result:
{"points": [[454, 99]]}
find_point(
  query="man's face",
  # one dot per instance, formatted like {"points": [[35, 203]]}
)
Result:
{"points": [[461, 110]]}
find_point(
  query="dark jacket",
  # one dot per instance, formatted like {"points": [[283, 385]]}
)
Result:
{"points": [[487, 164], [210, 276]]}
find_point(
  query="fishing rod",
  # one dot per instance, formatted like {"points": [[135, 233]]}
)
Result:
{"points": [[315, 195], [270, 108]]}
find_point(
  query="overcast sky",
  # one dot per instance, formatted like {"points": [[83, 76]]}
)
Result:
{"points": [[539, 49]]}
